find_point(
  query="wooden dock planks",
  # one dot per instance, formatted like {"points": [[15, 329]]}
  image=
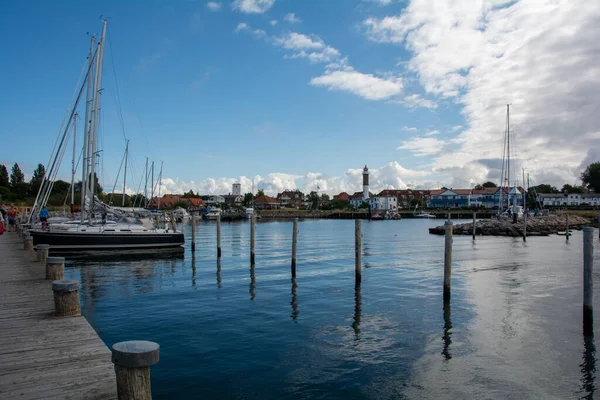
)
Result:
{"points": [[43, 356]]}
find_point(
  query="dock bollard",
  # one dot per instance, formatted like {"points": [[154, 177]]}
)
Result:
{"points": [[27, 242], [55, 268], [588, 268], [448, 259], [66, 298], [252, 238], [193, 232], [132, 361], [357, 252], [294, 246], [42, 252], [218, 236]]}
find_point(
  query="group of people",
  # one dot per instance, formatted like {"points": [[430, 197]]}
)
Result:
{"points": [[8, 214]]}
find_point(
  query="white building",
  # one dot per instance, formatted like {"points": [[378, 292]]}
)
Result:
{"points": [[571, 199], [237, 189], [365, 183], [383, 203]]}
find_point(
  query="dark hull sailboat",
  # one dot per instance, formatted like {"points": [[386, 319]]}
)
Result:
{"points": [[107, 240]]}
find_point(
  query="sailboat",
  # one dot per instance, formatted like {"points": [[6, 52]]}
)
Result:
{"points": [[89, 233], [511, 207], [422, 214]]}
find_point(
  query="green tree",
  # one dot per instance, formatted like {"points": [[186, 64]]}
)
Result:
{"points": [[191, 195], [16, 175], [545, 188], [325, 197], [488, 184], [478, 187], [247, 199], [340, 204], [260, 193], [36, 179], [572, 189], [364, 205], [591, 177], [313, 199], [4, 182]]}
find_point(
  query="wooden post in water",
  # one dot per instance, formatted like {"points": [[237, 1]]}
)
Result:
{"points": [[132, 361], [599, 225], [357, 252], [66, 298], [294, 247], [474, 224], [193, 232], [252, 238], [218, 236], [447, 259], [55, 268], [42, 252], [588, 269], [524, 227], [567, 227]]}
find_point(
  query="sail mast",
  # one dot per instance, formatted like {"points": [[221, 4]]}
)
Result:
{"points": [[125, 174], [73, 161], [86, 130], [158, 183], [508, 154], [146, 185], [152, 184]]}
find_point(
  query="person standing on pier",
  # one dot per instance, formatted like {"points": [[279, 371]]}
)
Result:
{"points": [[12, 219], [44, 217]]}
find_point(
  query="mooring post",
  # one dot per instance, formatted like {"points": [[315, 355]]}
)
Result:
{"points": [[294, 247], [252, 238], [448, 259], [42, 252], [55, 268], [567, 226], [193, 232], [132, 361], [524, 227], [599, 225], [474, 224], [66, 298], [27, 241], [218, 236], [588, 269], [357, 252]]}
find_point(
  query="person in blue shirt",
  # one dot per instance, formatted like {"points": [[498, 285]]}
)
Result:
{"points": [[44, 217]]}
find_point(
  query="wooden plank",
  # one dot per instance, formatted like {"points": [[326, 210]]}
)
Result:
{"points": [[42, 356]]}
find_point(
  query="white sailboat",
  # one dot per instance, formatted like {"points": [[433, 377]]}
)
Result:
{"points": [[512, 193]]}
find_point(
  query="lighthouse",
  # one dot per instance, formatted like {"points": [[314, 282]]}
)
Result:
{"points": [[365, 183]]}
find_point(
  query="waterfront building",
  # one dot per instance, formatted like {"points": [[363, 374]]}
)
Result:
{"points": [[233, 198], [365, 183], [266, 202], [569, 199], [342, 196], [236, 189], [170, 200], [291, 198]]}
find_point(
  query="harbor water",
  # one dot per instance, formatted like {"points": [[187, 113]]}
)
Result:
{"points": [[228, 331]]}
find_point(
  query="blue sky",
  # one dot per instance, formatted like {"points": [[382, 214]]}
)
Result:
{"points": [[220, 92]]}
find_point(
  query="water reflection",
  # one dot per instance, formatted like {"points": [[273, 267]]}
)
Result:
{"points": [[447, 338], [193, 269], [588, 365], [219, 273], [294, 303], [252, 282], [357, 312]]}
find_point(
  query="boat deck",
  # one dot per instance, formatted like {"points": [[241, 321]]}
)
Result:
{"points": [[43, 356]]}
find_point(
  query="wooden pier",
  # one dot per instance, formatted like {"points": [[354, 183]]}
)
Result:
{"points": [[43, 356]]}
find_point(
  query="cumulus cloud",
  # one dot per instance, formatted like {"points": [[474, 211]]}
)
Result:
{"points": [[432, 133], [538, 55], [408, 129], [291, 18], [416, 101], [252, 6], [367, 86], [213, 6], [273, 22], [423, 146]]}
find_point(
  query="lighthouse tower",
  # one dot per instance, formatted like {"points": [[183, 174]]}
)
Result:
{"points": [[365, 183]]}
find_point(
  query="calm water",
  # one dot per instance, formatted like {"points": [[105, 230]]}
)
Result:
{"points": [[514, 328]]}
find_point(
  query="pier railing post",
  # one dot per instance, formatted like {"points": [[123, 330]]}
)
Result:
{"points": [[357, 252], [524, 227], [567, 226], [474, 224], [42, 252], [588, 269], [55, 268], [252, 238], [66, 298], [193, 232], [294, 246], [447, 259], [132, 362], [218, 236]]}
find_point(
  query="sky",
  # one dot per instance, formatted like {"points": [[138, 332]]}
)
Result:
{"points": [[305, 93]]}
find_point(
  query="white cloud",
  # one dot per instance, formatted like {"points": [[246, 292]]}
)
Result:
{"points": [[291, 18], [242, 26], [213, 6], [273, 22], [423, 146], [298, 41], [367, 86], [408, 129], [416, 101], [252, 6], [432, 133], [380, 2], [456, 128], [538, 55]]}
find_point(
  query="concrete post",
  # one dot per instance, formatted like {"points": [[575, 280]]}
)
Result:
{"points": [[42, 252], [357, 252], [588, 269], [55, 268], [66, 298], [28, 243], [294, 246], [524, 227], [218, 236], [132, 361], [193, 232], [474, 224], [567, 226], [252, 238], [448, 259]]}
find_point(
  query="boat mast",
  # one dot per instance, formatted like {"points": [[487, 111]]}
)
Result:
{"points": [[159, 182], [125, 175], [508, 154], [146, 185], [86, 130], [73, 161], [152, 184], [95, 112]]}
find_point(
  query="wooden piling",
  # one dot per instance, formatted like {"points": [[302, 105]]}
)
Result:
{"points": [[42, 252], [357, 252], [28, 243], [599, 225], [132, 362], [448, 259], [567, 226], [193, 232], [524, 227], [474, 224], [588, 269], [294, 247], [55, 268], [66, 298], [252, 239], [218, 236]]}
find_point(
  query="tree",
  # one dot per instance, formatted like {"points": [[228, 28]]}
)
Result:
{"points": [[545, 188], [313, 199], [340, 204], [478, 187], [324, 197], [16, 175], [4, 182], [572, 189], [364, 205], [489, 184], [36, 179], [247, 199], [591, 177], [260, 193], [190, 195]]}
